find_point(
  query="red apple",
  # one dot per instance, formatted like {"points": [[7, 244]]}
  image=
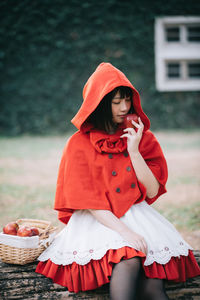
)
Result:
{"points": [[34, 231], [24, 231], [128, 120], [11, 228]]}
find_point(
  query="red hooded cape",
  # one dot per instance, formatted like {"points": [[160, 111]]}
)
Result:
{"points": [[95, 170]]}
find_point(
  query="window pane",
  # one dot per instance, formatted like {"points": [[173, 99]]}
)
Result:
{"points": [[193, 33], [194, 70], [172, 34], [173, 70]]}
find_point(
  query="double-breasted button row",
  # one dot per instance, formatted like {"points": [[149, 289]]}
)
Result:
{"points": [[128, 169], [125, 154], [114, 173], [118, 190], [110, 155]]}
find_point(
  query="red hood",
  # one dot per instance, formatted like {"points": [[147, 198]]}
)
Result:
{"points": [[105, 78]]}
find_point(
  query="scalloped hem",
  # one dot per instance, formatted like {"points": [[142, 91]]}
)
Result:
{"points": [[98, 272]]}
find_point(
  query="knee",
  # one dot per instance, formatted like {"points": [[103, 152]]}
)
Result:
{"points": [[151, 295], [130, 264], [154, 290]]}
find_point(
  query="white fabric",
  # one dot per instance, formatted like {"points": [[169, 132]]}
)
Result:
{"points": [[31, 242], [84, 238], [19, 241]]}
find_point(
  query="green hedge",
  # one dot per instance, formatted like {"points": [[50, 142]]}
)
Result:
{"points": [[49, 49]]}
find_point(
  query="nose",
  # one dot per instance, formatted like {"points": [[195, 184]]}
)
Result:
{"points": [[124, 105]]}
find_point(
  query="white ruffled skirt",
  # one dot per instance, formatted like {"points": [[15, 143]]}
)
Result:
{"points": [[85, 239]]}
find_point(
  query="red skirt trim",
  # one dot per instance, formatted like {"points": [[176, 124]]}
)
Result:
{"points": [[98, 272]]}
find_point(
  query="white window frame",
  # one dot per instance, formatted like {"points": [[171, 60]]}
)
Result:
{"points": [[182, 51]]}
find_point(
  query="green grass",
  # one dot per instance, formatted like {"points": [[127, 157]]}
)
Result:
{"points": [[29, 166], [183, 217], [176, 140], [185, 180], [24, 201], [30, 146], [172, 145], [28, 173]]}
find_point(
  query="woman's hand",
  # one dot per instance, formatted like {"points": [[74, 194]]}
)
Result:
{"points": [[108, 219], [135, 240], [133, 137]]}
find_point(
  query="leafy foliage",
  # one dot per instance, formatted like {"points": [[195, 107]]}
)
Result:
{"points": [[50, 48]]}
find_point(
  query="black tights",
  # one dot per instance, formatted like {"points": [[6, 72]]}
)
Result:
{"points": [[129, 283]]}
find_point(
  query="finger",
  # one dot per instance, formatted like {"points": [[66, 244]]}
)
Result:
{"points": [[125, 135], [130, 130], [141, 128], [135, 124], [137, 247], [145, 246], [134, 245], [140, 121], [142, 247]]}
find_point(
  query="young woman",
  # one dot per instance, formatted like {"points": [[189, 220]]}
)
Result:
{"points": [[108, 177]]}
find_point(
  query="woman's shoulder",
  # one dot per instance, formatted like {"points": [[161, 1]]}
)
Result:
{"points": [[148, 135], [77, 141], [78, 136], [149, 141]]}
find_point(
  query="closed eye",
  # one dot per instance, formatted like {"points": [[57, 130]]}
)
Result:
{"points": [[120, 99], [116, 102]]}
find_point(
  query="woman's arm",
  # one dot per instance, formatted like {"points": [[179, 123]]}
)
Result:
{"points": [[108, 219], [143, 172]]}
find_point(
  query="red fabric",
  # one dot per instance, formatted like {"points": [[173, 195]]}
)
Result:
{"points": [[177, 269], [85, 179], [97, 272], [105, 78]]}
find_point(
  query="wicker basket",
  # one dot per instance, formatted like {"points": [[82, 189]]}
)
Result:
{"points": [[22, 256]]}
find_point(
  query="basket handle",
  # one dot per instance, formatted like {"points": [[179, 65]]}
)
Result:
{"points": [[33, 221], [45, 232]]}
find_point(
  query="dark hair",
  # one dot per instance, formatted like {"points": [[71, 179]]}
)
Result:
{"points": [[101, 117]]}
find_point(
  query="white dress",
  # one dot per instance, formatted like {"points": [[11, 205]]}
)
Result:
{"points": [[84, 239]]}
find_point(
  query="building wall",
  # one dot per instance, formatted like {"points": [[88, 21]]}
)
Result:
{"points": [[50, 48]]}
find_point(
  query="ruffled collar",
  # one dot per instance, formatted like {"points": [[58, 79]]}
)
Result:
{"points": [[108, 143]]}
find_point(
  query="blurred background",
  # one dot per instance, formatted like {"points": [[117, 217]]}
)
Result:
{"points": [[48, 49]]}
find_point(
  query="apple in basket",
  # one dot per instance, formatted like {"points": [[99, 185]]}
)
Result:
{"points": [[128, 120], [24, 231], [11, 228], [27, 231], [34, 231]]}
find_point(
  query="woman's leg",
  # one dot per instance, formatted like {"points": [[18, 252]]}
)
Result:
{"points": [[124, 279], [152, 289]]}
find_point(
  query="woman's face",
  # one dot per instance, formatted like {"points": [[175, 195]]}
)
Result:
{"points": [[120, 107]]}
